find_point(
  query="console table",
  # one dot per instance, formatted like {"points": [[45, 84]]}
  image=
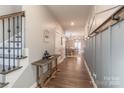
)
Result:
{"points": [[42, 77]]}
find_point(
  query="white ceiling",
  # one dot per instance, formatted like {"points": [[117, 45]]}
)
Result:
{"points": [[65, 14]]}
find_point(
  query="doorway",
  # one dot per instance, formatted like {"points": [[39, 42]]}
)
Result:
{"points": [[74, 47]]}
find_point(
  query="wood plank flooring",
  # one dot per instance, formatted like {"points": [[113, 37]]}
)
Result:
{"points": [[73, 74]]}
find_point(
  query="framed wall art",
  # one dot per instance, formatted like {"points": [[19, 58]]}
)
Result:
{"points": [[46, 35]]}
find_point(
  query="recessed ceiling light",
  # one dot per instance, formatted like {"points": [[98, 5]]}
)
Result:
{"points": [[72, 23]]}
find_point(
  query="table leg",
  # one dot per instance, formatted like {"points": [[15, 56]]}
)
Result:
{"points": [[56, 64], [37, 74], [58, 70]]}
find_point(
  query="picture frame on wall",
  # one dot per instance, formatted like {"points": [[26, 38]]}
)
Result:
{"points": [[61, 40], [46, 35]]}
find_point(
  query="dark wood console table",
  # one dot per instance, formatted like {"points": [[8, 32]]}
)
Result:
{"points": [[43, 77]]}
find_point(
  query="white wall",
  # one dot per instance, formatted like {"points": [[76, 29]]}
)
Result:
{"points": [[60, 45], [7, 9], [37, 20], [99, 18]]}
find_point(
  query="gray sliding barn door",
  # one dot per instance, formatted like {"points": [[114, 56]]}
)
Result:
{"points": [[105, 58], [117, 48], [98, 61]]}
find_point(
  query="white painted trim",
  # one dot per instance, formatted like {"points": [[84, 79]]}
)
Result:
{"points": [[34, 85], [93, 81], [61, 60]]}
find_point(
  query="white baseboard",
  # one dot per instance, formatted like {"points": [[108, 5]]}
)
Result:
{"points": [[93, 81], [34, 85]]}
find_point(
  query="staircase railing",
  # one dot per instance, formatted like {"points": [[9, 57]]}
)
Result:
{"points": [[12, 41]]}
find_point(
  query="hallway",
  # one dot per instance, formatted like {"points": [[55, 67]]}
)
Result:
{"points": [[73, 74], [36, 39]]}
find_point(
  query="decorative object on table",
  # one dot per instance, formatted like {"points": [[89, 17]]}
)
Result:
{"points": [[46, 55]]}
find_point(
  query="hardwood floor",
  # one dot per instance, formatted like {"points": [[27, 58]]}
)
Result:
{"points": [[73, 74]]}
